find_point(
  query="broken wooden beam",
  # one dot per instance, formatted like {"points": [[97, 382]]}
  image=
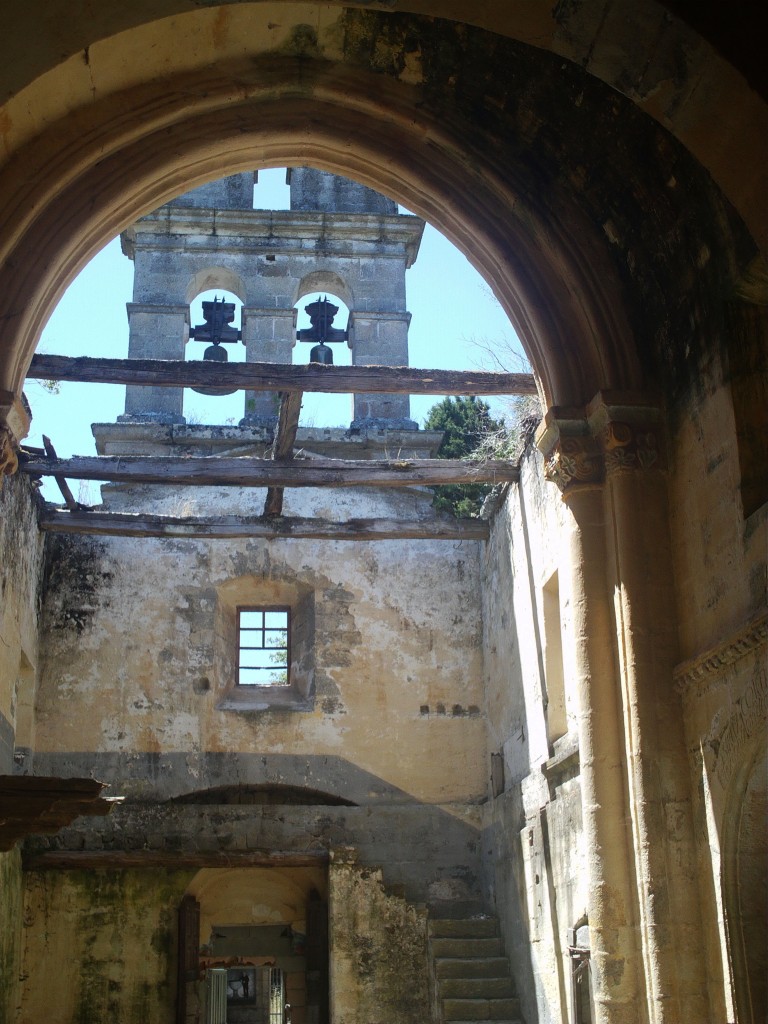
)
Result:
{"points": [[66, 493], [247, 471], [129, 524], [282, 447], [315, 377], [35, 804]]}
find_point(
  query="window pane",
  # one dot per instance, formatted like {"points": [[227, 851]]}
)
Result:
{"points": [[255, 659], [276, 638], [251, 620], [276, 620]]}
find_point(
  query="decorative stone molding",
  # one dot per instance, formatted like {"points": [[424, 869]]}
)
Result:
{"points": [[749, 638], [15, 420], [574, 460], [614, 433], [628, 446], [9, 461], [628, 429]]}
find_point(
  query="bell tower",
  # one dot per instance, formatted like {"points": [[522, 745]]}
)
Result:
{"points": [[338, 237]]}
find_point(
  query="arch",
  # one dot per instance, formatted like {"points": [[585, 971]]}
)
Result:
{"points": [[209, 278], [500, 179], [325, 281], [661, 64], [254, 895], [554, 279]]}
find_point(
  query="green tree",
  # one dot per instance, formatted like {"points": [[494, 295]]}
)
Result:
{"points": [[466, 422]]}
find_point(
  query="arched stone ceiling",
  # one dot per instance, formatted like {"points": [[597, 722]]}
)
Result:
{"points": [[564, 196], [637, 47]]}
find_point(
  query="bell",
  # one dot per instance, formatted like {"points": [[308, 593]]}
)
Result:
{"points": [[215, 354], [321, 353]]}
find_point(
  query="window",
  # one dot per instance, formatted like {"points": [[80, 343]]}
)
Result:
{"points": [[264, 645]]}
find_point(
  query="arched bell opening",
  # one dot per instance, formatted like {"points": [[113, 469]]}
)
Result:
{"points": [[215, 336], [323, 336]]}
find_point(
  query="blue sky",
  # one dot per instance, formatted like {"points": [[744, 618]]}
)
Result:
{"points": [[450, 303]]}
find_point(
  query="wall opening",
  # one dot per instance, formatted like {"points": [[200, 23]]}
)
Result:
{"points": [[557, 718]]}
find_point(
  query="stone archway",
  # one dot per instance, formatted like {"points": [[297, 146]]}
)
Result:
{"points": [[467, 155]]}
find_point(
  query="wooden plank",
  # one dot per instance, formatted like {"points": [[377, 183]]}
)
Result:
{"points": [[282, 448], [246, 471], [314, 377], [127, 524], [66, 493], [43, 804], [79, 859]]}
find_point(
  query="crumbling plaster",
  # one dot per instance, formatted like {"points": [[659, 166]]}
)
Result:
{"points": [[132, 661]]}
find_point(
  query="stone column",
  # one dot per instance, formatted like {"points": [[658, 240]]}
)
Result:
{"points": [[155, 331], [269, 335], [381, 339], [640, 576], [573, 461]]}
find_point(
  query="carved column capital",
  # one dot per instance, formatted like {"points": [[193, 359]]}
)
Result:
{"points": [[572, 457], [15, 419], [9, 462], [615, 433], [629, 431]]}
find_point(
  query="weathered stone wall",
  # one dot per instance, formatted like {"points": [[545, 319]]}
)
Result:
{"points": [[21, 547], [11, 900], [719, 524], [378, 951], [533, 836], [133, 661], [137, 689], [101, 945]]}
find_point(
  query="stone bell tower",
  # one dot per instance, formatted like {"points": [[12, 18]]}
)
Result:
{"points": [[338, 237]]}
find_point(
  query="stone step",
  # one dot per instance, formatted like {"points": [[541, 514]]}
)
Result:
{"points": [[480, 1009], [474, 927], [467, 947], [472, 967], [476, 988]]}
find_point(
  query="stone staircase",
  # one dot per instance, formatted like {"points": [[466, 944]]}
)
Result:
{"points": [[471, 973]]}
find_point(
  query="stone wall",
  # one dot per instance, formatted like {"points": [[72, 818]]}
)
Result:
{"points": [[378, 950], [21, 545], [101, 945], [533, 836]]}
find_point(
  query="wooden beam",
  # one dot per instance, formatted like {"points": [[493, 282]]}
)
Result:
{"points": [[66, 493], [34, 804], [79, 859], [171, 373], [282, 447], [128, 524], [210, 471]]}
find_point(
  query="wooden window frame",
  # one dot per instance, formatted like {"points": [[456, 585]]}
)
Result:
{"points": [[263, 610]]}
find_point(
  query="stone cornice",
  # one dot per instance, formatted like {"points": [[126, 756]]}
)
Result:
{"points": [[750, 637], [276, 232]]}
